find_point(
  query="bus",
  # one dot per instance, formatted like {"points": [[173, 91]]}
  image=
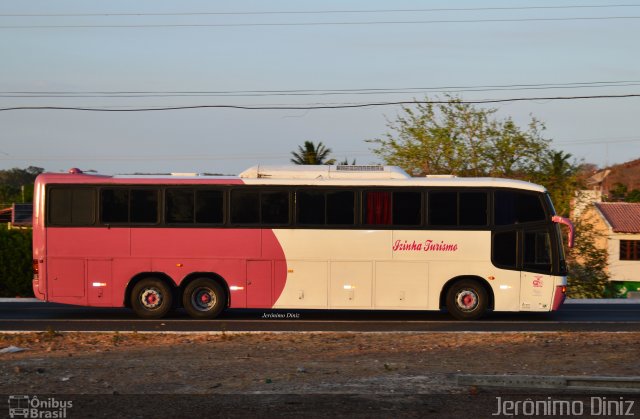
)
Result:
{"points": [[297, 237]]}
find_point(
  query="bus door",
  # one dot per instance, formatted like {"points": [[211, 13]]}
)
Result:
{"points": [[537, 283]]}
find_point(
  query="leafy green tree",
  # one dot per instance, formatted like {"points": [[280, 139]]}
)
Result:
{"points": [[15, 263], [16, 184], [345, 162], [461, 139], [561, 178], [633, 196], [587, 264], [618, 192], [309, 153]]}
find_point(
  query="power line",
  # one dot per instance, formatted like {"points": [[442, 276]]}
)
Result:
{"points": [[300, 24], [318, 12], [314, 92], [312, 107]]}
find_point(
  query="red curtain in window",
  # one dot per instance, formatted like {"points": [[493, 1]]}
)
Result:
{"points": [[378, 208]]}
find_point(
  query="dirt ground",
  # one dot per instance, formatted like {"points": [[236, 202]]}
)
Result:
{"points": [[317, 368]]}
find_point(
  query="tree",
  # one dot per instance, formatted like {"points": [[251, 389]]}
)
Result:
{"points": [[561, 178], [345, 162], [16, 184], [312, 154], [454, 137], [633, 196], [587, 263]]}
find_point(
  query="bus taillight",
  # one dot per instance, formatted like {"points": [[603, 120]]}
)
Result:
{"points": [[36, 269], [559, 296]]}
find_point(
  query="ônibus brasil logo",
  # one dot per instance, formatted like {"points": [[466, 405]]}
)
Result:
{"points": [[34, 407]]}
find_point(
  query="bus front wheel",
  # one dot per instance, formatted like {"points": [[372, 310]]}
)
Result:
{"points": [[151, 298], [467, 300], [203, 299]]}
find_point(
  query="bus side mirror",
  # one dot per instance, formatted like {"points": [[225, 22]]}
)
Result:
{"points": [[568, 223]]}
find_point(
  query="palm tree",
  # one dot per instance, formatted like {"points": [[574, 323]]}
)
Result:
{"points": [[312, 154]]}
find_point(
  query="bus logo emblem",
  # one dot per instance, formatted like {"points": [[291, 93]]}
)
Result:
{"points": [[537, 282]]}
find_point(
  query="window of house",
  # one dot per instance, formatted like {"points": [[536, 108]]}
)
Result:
{"points": [[629, 249]]}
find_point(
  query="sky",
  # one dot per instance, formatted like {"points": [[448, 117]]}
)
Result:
{"points": [[167, 53]]}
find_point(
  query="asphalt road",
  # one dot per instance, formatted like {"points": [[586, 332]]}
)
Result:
{"points": [[36, 316]]}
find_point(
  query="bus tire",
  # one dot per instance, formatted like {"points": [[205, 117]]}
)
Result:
{"points": [[467, 300], [151, 298], [203, 298]]}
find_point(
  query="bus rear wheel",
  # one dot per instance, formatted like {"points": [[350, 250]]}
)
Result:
{"points": [[467, 300], [203, 299], [151, 298]]}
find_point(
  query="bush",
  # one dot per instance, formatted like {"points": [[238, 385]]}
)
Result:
{"points": [[16, 271]]}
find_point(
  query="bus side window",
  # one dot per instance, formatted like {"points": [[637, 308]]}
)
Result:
{"points": [[377, 208], [443, 208], [114, 205], [505, 248], [120, 205], [340, 207], [473, 209], [72, 206], [209, 207], [274, 207], [245, 207], [310, 206], [407, 208], [393, 208], [516, 207], [144, 206], [179, 204]]}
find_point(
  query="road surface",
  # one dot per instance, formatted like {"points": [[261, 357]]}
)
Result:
{"points": [[587, 316]]}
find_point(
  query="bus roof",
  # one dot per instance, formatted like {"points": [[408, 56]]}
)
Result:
{"points": [[299, 175]]}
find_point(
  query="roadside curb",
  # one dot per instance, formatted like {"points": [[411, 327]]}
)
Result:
{"points": [[19, 300], [579, 383], [602, 301]]}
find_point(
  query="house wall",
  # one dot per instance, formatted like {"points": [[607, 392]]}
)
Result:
{"points": [[622, 270]]}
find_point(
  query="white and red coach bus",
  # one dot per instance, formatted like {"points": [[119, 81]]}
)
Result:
{"points": [[300, 237]]}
